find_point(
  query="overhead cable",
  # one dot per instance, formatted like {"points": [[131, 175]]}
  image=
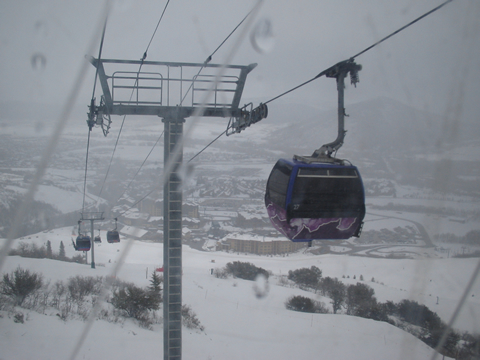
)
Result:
{"points": [[95, 310], [85, 178], [90, 122], [209, 58], [198, 111], [223, 42], [155, 31], [207, 146], [99, 56], [402, 28], [131, 95], [64, 114], [363, 51], [151, 150]]}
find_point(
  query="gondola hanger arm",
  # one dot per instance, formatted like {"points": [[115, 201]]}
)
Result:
{"points": [[339, 71]]}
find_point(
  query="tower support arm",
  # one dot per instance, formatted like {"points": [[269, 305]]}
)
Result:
{"points": [[102, 76]]}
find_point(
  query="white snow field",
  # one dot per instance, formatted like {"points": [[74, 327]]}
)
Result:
{"points": [[238, 325]]}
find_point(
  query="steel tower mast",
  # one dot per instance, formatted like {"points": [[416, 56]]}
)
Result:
{"points": [[173, 92]]}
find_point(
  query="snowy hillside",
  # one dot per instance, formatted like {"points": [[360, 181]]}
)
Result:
{"points": [[238, 325]]}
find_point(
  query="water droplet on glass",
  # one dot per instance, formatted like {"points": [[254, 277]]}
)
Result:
{"points": [[39, 126], [261, 287], [261, 37], [185, 173], [38, 61], [41, 28]]}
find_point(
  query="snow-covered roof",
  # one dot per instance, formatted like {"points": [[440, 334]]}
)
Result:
{"points": [[190, 203], [133, 231], [126, 199], [250, 216], [136, 215], [254, 237]]}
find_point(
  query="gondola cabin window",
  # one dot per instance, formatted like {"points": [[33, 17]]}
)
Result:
{"points": [[278, 183]]}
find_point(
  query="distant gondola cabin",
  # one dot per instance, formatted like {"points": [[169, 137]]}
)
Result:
{"points": [[83, 243], [113, 236]]}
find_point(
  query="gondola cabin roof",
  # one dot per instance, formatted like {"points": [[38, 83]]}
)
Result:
{"points": [[316, 200]]}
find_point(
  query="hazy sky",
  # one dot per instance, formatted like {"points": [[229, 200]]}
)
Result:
{"points": [[433, 65]]}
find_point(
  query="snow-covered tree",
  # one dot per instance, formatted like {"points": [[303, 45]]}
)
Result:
{"points": [[360, 300], [20, 284], [155, 287], [61, 253], [306, 277], [49, 250], [134, 301]]}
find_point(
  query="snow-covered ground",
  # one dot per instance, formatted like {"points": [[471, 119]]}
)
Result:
{"points": [[238, 325]]}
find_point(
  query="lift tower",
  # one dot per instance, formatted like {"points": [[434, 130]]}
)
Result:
{"points": [[92, 217], [173, 92]]}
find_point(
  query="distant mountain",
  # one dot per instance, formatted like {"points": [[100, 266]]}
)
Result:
{"points": [[378, 125]]}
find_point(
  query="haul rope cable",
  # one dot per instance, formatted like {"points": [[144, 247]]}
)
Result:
{"points": [[126, 250], [143, 58], [131, 95], [325, 71], [477, 269], [85, 177], [52, 143], [89, 125], [143, 163], [218, 137], [209, 58]]}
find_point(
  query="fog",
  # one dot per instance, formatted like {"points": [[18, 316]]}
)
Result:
{"points": [[412, 125], [432, 65]]}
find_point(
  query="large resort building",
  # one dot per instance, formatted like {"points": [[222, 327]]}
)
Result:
{"points": [[256, 244]]}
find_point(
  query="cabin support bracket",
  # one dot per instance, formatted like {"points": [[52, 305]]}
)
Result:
{"points": [[339, 72]]}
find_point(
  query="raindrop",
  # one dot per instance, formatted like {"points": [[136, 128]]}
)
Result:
{"points": [[38, 61], [186, 172], [261, 37], [41, 28], [261, 287], [39, 127]]}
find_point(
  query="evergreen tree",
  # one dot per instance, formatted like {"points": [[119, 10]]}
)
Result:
{"points": [[155, 285], [61, 253], [49, 250]]}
